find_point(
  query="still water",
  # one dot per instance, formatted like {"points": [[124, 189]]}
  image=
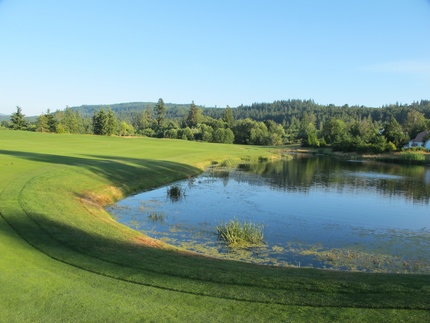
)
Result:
{"points": [[316, 211]]}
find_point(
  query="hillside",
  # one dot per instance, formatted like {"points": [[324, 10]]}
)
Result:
{"points": [[125, 111], [285, 112]]}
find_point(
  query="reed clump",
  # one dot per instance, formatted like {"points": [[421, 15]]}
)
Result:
{"points": [[175, 192], [235, 233]]}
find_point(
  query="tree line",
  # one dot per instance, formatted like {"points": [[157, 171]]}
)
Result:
{"points": [[343, 128]]}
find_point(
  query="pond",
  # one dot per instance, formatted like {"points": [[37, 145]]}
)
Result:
{"points": [[316, 212]]}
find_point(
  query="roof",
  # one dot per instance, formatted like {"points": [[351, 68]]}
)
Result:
{"points": [[420, 136]]}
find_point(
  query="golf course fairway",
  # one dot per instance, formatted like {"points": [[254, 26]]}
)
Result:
{"points": [[64, 259]]}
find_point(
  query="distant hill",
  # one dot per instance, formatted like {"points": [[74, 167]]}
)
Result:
{"points": [[4, 117], [283, 112], [125, 111]]}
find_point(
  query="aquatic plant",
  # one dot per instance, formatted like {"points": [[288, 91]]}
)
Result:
{"points": [[157, 216], [240, 234], [227, 163], [175, 192]]}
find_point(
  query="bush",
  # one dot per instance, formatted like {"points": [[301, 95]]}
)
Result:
{"points": [[148, 132]]}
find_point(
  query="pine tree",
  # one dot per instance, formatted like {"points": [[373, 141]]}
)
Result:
{"points": [[112, 123], [160, 112], [194, 116], [100, 121], [42, 123], [51, 121], [17, 119], [70, 121]]}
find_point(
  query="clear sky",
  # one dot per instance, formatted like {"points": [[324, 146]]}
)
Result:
{"points": [[216, 52]]}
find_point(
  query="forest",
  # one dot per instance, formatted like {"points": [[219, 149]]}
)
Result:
{"points": [[343, 128]]}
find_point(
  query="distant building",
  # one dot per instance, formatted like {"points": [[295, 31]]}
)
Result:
{"points": [[419, 141]]}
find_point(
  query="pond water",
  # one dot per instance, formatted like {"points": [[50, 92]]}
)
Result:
{"points": [[316, 211]]}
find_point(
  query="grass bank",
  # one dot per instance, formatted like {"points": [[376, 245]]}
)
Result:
{"points": [[65, 259]]}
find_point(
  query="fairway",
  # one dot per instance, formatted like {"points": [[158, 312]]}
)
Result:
{"points": [[63, 258]]}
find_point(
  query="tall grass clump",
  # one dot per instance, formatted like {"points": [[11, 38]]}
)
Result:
{"points": [[235, 233], [227, 163], [412, 156], [175, 192]]}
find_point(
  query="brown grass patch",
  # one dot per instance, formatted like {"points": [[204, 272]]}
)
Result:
{"points": [[107, 196], [150, 242]]}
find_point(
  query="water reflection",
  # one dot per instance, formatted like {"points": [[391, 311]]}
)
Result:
{"points": [[303, 173]]}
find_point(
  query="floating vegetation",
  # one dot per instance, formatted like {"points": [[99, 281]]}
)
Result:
{"points": [[241, 234], [157, 216], [357, 260], [175, 192], [277, 249]]}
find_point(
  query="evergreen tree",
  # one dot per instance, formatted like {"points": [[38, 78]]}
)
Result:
{"points": [[160, 112], [112, 123], [229, 117], [145, 118], [100, 122], [70, 121], [17, 120], [394, 133], [193, 117], [42, 123], [52, 122]]}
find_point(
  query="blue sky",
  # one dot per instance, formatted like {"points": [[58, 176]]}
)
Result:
{"points": [[57, 53]]}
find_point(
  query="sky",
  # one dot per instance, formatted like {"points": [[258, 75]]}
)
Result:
{"points": [[55, 54]]}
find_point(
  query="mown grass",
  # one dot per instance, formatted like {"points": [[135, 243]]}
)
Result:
{"points": [[63, 258]]}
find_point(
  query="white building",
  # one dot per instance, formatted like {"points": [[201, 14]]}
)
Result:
{"points": [[419, 141]]}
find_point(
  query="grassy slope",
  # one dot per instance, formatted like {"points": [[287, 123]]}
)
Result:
{"points": [[64, 258]]}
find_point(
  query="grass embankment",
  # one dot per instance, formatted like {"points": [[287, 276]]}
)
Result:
{"points": [[64, 259]]}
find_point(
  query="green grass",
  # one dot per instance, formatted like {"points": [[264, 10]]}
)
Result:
{"points": [[412, 156], [241, 234], [63, 258]]}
